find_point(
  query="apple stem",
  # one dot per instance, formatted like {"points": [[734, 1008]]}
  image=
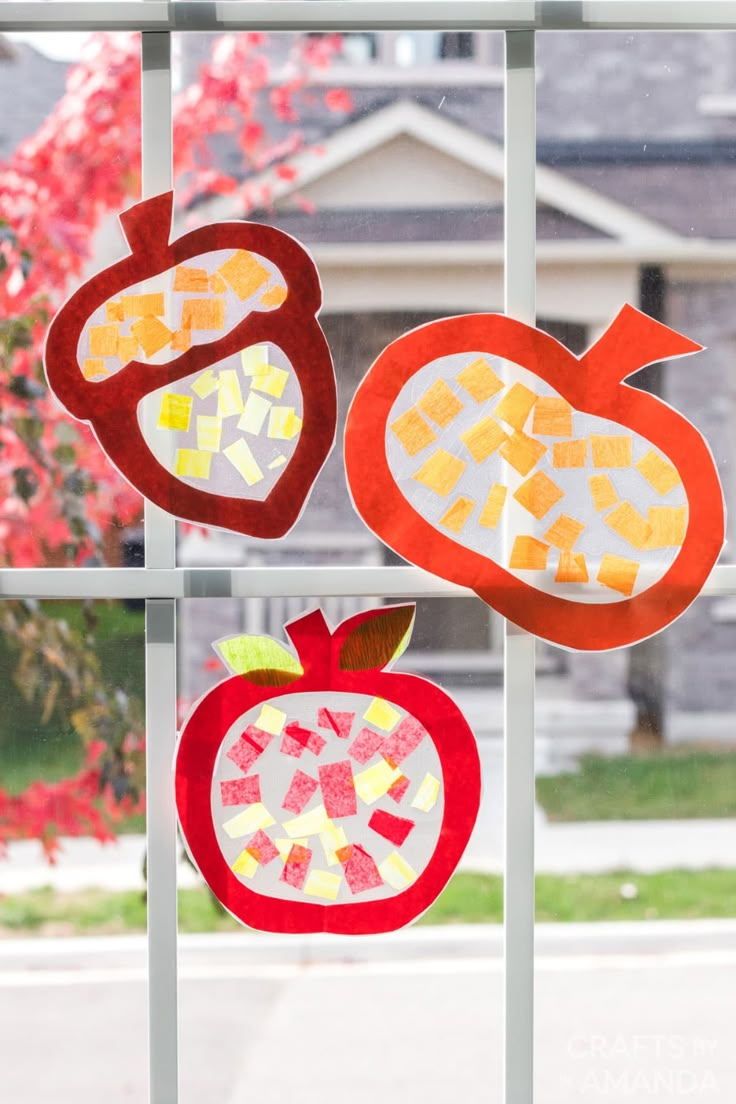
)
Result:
{"points": [[311, 636]]}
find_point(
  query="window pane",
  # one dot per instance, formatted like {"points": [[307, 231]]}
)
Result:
{"points": [[635, 746], [635, 880], [72, 775], [652, 137], [383, 222], [650, 131], [445, 981], [69, 151]]}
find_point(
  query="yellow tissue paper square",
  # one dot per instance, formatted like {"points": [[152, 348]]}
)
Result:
{"points": [[209, 432], [320, 883], [312, 823], [271, 382], [396, 871], [284, 846], [271, 720], [205, 385], [245, 864], [193, 463], [381, 714], [229, 396], [254, 359], [176, 411], [332, 840], [376, 781], [244, 462], [427, 794], [283, 422], [254, 413], [250, 820]]}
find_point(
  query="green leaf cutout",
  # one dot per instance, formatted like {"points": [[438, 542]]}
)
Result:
{"points": [[260, 659], [378, 641]]}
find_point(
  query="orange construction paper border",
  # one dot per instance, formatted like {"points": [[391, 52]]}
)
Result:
{"points": [[593, 384]]}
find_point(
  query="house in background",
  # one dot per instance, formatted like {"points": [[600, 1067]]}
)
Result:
{"points": [[637, 165], [636, 171]]}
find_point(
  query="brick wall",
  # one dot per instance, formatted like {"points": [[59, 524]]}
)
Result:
{"points": [[701, 650]]}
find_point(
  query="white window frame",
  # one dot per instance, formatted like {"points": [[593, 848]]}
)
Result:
{"points": [[161, 582]]}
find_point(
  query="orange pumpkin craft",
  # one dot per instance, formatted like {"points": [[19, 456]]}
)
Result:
{"points": [[202, 369], [581, 508]]}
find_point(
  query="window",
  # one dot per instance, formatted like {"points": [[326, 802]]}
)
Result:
{"points": [[466, 57], [356, 572]]}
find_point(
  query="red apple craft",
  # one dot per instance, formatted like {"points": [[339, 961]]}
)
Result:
{"points": [[584, 510], [319, 791], [202, 369]]}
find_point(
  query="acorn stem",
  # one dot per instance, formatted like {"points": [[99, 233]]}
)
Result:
{"points": [[147, 225]]}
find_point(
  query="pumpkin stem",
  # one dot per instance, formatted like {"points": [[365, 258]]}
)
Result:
{"points": [[148, 224], [632, 341]]}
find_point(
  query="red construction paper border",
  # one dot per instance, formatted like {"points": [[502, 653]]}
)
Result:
{"points": [[202, 736], [111, 405], [592, 384]]}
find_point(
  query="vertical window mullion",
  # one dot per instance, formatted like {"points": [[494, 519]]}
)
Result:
{"points": [[160, 552], [520, 303]]}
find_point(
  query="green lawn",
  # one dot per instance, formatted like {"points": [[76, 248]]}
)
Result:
{"points": [[671, 895], [95, 911], [681, 784], [469, 898]]}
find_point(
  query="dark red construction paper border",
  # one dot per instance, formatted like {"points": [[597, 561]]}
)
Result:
{"points": [[202, 736], [111, 405], [592, 384]]}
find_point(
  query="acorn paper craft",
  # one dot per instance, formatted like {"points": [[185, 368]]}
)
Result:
{"points": [[583, 509], [318, 790], [202, 369]]}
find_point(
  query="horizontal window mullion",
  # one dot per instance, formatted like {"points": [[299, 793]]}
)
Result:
{"points": [[250, 582], [287, 15], [366, 15]]}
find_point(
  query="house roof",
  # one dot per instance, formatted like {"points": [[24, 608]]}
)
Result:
{"points": [[694, 199], [363, 225], [625, 150], [624, 115], [32, 83], [592, 87], [567, 205]]}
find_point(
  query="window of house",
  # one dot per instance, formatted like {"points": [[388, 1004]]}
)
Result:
{"points": [[418, 51]]}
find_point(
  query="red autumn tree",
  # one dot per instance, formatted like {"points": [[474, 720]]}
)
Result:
{"points": [[60, 500]]}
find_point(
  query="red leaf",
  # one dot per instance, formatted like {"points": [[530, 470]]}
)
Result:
{"points": [[339, 99], [306, 204], [286, 172]]}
